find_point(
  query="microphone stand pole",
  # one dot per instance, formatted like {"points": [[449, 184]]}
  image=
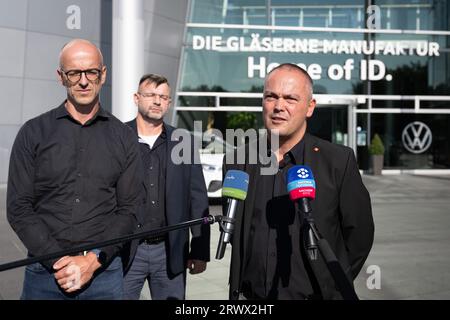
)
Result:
{"points": [[151, 233], [315, 242], [226, 226], [337, 272]]}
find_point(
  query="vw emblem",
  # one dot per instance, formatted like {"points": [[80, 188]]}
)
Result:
{"points": [[303, 173], [416, 137]]}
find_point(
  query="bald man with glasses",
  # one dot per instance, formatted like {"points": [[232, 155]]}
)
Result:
{"points": [[74, 179]]}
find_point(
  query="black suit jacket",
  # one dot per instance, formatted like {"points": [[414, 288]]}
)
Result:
{"points": [[341, 209], [186, 199]]}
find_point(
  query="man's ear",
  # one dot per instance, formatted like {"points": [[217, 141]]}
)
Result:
{"points": [[60, 77], [311, 108], [103, 74]]}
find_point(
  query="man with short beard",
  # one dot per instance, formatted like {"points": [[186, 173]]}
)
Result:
{"points": [[175, 193], [268, 259]]}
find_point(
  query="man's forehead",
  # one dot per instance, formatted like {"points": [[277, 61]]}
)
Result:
{"points": [[83, 60], [286, 79], [279, 83], [286, 75], [80, 50], [153, 85], [82, 56]]}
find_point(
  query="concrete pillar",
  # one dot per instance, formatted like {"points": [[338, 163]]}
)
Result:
{"points": [[127, 55]]}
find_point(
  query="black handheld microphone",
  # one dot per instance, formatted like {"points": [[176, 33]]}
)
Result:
{"points": [[235, 186], [302, 189]]}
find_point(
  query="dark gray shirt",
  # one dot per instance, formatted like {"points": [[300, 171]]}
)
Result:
{"points": [[71, 184], [274, 267], [154, 165]]}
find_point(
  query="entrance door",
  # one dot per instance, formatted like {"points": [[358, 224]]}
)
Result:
{"points": [[330, 122], [333, 120]]}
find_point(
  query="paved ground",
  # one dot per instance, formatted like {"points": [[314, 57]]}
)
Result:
{"points": [[411, 250]]}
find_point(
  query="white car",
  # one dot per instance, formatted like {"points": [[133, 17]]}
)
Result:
{"points": [[211, 158], [212, 171]]}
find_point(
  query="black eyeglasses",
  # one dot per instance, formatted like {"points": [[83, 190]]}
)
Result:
{"points": [[153, 95], [75, 75]]}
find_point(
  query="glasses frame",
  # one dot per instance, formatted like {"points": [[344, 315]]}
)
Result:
{"points": [[153, 95], [80, 72]]}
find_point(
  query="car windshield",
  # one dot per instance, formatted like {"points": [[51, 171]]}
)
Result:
{"points": [[215, 145]]}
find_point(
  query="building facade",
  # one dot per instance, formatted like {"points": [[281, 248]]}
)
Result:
{"points": [[32, 32], [379, 67]]}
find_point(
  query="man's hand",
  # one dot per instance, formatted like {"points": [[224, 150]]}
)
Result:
{"points": [[196, 266], [73, 272]]}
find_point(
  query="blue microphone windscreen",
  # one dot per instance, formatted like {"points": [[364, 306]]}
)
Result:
{"points": [[235, 184], [300, 183], [299, 172]]}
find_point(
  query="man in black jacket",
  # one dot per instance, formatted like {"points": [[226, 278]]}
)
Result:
{"points": [[62, 195], [175, 193], [268, 257]]}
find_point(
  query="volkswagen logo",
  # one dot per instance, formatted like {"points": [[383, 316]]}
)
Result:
{"points": [[417, 137]]}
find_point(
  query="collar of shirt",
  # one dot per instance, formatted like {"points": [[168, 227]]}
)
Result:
{"points": [[161, 138], [61, 112], [294, 156]]}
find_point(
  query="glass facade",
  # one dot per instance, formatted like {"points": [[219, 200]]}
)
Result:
{"points": [[391, 60]]}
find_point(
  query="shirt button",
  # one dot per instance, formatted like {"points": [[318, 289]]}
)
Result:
{"points": [[152, 184], [153, 202], [79, 174], [151, 168], [77, 200]]}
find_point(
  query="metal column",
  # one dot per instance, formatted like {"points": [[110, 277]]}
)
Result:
{"points": [[127, 55]]}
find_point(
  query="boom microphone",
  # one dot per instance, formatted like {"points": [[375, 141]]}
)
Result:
{"points": [[302, 189], [235, 186]]}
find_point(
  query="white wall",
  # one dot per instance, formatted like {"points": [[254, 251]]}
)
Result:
{"points": [[32, 33]]}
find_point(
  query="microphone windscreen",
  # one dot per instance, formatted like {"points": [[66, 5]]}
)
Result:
{"points": [[300, 183], [235, 184]]}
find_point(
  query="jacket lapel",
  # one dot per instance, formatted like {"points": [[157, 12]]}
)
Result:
{"points": [[170, 168], [253, 171], [133, 125], [311, 159]]}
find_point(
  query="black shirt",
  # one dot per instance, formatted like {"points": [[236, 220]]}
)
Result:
{"points": [[274, 265], [154, 165], [71, 184]]}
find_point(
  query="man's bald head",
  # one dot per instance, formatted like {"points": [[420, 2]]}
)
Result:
{"points": [[82, 73], [79, 47], [300, 71]]}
